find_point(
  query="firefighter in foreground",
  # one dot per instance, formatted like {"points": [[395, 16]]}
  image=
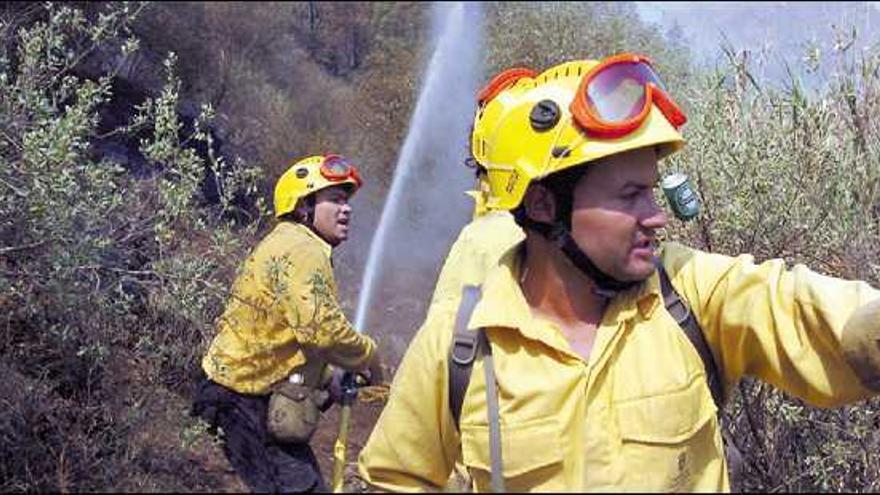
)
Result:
{"points": [[267, 367], [580, 378]]}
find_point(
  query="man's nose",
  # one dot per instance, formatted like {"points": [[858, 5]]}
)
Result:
{"points": [[655, 217]]}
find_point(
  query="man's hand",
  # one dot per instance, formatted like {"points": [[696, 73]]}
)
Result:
{"points": [[335, 387], [375, 373], [860, 342]]}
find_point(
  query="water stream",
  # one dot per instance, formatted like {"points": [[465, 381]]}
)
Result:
{"points": [[426, 192]]}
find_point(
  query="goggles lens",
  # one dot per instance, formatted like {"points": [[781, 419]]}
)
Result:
{"points": [[337, 168], [618, 92]]}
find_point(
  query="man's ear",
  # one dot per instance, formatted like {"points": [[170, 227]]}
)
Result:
{"points": [[540, 204], [305, 210]]}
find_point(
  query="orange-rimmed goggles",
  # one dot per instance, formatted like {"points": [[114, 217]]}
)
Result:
{"points": [[336, 168], [613, 99]]}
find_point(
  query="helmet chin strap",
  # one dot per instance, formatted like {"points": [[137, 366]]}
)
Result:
{"points": [[606, 285]]}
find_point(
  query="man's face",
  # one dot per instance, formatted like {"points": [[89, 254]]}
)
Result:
{"points": [[332, 214], [615, 214]]}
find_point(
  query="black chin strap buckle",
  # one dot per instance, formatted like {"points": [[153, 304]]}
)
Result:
{"points": [[557, 235]]}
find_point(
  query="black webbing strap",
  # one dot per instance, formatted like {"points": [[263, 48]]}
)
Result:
{"points": [[679, 310], [462, 351], [682, 314], [465, 346]]}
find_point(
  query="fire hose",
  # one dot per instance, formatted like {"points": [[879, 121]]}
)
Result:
{"points": [[350, 385]]}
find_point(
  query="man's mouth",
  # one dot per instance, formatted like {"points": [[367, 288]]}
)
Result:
{"points": [[644, 245]]}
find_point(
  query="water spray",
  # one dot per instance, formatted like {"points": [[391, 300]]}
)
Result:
{"points": [[453, 63], [455, 58]]}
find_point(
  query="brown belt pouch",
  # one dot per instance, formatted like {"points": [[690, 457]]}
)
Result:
{"points": [[293, 412]]}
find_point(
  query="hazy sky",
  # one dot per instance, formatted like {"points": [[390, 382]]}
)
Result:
{"points": [[780, 29], [774, 32]]}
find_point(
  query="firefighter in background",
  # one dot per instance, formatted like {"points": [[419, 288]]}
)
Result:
{"points": [[583, 380], [267, 367], [478, 247], [491, 232]]}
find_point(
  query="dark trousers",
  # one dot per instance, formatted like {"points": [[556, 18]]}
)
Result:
{"points": [[264, 464]]}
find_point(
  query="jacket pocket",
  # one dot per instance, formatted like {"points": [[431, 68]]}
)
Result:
{"points": [[531, 452], [668, 440]]}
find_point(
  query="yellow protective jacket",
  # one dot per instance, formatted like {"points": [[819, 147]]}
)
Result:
{"points": [[638, 415], [283, 315]]}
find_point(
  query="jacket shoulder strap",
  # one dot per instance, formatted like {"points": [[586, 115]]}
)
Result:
{"points": [[462, 351], [681, 312]]}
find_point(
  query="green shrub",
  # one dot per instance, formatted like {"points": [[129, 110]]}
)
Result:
{"points": [[786, 172], [96, 263]]}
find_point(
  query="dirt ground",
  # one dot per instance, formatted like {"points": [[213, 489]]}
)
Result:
{"points": [[209, 464], [363, 417]]}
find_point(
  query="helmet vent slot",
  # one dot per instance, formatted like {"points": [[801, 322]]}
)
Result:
{"points": [[560, 151]]}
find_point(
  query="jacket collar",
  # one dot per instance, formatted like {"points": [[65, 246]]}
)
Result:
{"points": [[286, 228], [504, 305]]}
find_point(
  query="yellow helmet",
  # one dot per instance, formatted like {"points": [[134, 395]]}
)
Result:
{"points": [[531, 125], [310, 175]]}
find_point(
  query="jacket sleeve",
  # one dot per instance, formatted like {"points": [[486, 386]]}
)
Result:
{"points": [[414, 444], [309, 303], [787, 327]]}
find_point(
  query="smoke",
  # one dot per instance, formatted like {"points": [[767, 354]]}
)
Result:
{"points": [[789, 33], [426, 205]]}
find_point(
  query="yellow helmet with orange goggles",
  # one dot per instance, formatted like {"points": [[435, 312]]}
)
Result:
{"points": [[531, 125], [310, 175]]}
